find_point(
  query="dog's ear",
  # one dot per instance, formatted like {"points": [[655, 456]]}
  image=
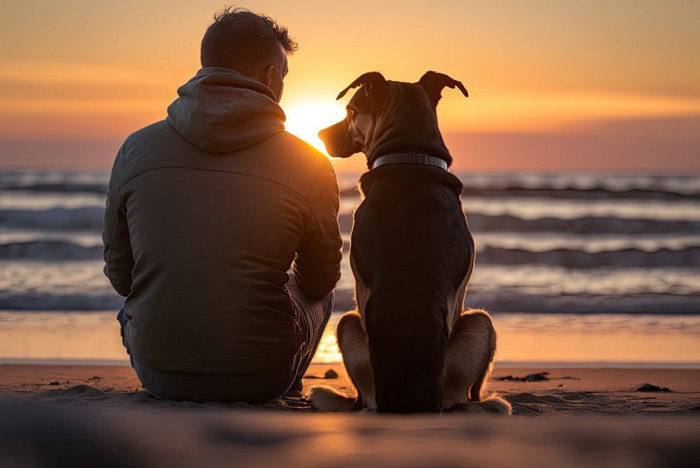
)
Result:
{"points": [[433, 83], [375, 85]]}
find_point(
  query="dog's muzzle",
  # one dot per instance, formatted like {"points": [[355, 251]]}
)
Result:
{"points": [[409, 158]]}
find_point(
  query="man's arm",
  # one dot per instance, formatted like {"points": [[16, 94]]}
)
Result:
{"points": [[317, 265], [119, 260]]}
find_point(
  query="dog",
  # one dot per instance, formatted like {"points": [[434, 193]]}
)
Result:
{"points": [[409, 346]]}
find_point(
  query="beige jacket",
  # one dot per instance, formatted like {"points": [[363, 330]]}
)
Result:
{"points": [[206, 212]]}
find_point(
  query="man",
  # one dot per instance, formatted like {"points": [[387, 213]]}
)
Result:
{"points": [[206, 213]]}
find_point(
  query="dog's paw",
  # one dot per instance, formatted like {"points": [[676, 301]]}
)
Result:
{"points": [[493, 404], [330, 400]]}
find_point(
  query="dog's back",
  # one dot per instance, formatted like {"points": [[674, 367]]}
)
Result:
{"points": [[412, 248]]}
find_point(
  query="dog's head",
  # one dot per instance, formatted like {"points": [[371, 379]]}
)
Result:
{"points": [[389, 116]]}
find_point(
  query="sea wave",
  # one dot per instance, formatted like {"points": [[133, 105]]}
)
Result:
{"points": [[572, 193], [81, 285], [496, 302], [585, 225], [74, 302], [575, 185], [576, 243], [558, 185], [61, 188], [569, 258], [587, 182], [25, 200], [64, 219], [501, 192], [540, 242], [48, 250], [90, 219], [55, 181], [536, 208], [505, 301], [595, 193]]}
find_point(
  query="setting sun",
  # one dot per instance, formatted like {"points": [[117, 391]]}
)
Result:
{"points": [[307, 118]]}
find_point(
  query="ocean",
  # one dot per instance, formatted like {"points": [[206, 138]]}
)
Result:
{"points": [[574, 267]]}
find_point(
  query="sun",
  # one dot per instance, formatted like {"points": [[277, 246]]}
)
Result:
{"points": [[307, 118]]}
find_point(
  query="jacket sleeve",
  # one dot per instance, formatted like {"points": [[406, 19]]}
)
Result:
{"points": [[115, 234], [317, 265]]}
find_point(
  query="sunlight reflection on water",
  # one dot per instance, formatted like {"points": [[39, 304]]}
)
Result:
{"points": [[573, 338]]}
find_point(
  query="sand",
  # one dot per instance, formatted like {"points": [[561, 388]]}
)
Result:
{"points": [[99, 415]]}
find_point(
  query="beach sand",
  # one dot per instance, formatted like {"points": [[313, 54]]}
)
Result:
{"points": [[57, 415]]}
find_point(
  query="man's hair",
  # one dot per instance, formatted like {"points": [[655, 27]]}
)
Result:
{"points": [[243, 41]]}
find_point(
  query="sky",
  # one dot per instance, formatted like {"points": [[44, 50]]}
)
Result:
{"points": [[593, 85]]}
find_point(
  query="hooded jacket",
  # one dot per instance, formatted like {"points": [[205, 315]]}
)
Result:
{"points": [[206, 212]]}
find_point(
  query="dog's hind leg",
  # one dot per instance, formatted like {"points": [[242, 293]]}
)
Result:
{"points": [[468, 361], [354, 346]]}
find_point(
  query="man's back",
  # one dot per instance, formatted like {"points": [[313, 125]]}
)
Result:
{"points": [[205, 215]]}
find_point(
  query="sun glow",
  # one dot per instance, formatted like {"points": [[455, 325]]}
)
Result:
{"points": [[307, 118]]}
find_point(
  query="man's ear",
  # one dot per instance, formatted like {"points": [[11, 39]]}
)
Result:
{"points": [[433, 83], [268, 76]]}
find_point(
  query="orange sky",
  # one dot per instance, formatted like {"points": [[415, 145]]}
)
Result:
{"points": [[594, 85]]}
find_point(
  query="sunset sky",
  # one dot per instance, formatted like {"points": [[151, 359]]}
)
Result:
{"points": [[554, 85]]}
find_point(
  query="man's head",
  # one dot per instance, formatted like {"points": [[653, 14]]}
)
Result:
{"points": [[254, 45]]}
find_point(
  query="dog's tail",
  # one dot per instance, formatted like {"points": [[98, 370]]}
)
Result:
{"points": [[330, 400], [493, 404]]}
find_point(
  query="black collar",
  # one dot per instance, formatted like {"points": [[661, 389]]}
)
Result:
{"points": [[409, 158]]}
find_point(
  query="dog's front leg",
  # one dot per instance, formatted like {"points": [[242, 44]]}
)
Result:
{"points": [[470, 352], [354, 346]]}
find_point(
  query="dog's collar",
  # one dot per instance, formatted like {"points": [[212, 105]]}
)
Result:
{"points": [[409, 158]]}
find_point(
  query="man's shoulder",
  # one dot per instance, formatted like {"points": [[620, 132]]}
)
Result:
{"points": [[152, 146], [303, 153], [292, 142], [149, 131]]}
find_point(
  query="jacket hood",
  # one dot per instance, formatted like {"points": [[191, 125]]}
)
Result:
{"points": [[222, 111]]}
